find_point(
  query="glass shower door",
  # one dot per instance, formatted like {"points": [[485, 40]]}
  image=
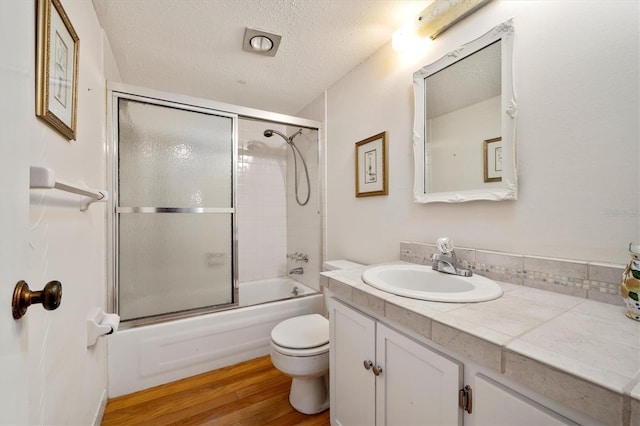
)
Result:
{"points": [[175, 209]]}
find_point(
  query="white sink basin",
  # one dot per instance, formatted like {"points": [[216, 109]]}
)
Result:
{"points": [[422, 282]]}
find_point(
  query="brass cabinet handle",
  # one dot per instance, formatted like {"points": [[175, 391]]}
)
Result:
{"points": [[367, 364], [465, 399], [50, 297], [377, 370]]}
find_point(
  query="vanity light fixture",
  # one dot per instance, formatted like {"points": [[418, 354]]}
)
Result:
{"points": [[260, 42], [407, 39], [435, 19]]}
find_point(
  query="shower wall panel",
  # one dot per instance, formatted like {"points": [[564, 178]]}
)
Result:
{"points": [[303, 222], [261, 202]]}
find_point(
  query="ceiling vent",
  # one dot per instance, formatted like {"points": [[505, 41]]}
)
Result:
{"points": [[260, 42]]}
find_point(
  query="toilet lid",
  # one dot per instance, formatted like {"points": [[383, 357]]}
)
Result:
{"points": [[306, 331]]}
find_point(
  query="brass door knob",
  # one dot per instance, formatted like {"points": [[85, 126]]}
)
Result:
{"points": [[50, 297]]}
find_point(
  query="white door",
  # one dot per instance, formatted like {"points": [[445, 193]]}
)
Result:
{"points": [[14, 215], [352, 338], [417, 386], [16, 114]]}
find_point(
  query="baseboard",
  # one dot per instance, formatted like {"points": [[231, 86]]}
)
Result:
{"points": [[97, 419]]}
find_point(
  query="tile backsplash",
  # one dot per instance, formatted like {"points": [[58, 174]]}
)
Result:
{"points": [[591, 280]]}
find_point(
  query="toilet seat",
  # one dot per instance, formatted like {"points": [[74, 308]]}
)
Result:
{"points": [[318, 350], [306, 335]]}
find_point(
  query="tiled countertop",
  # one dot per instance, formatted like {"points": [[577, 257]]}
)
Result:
{"points": [[581, 353]]}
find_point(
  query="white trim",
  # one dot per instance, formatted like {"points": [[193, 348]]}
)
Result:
{"points": [[508, 191], [97, 419], [219, 106]]}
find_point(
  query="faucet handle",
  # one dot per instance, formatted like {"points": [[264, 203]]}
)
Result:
{"points": [[444, 245]]}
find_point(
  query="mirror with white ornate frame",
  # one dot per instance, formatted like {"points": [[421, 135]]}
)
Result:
{"points": [[464, 127]]}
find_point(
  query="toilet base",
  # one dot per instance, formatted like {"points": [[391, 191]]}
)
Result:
{"points": [[309, 395]]}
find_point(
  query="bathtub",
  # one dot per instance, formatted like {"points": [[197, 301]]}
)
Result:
{"points": [[263, 291], [143, 357]]}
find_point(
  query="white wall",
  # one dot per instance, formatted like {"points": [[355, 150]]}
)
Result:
{"points": [[456, 146], [66, 381], [576, 78]]}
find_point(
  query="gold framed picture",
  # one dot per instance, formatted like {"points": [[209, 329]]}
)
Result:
{"points": [[371, 166], [492, 149], [57, 49]]}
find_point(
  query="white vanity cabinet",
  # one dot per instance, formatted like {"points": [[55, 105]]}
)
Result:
{"points": [[381, 377]]}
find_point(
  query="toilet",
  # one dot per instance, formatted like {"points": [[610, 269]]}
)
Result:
{"points": [[300, 349]]}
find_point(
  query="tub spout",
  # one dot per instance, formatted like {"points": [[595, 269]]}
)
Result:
{"points": [[298, 270]]}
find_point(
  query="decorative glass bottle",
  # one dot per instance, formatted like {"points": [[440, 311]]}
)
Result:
{"points": [[630, 287]]}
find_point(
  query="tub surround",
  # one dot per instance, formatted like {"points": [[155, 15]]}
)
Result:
{"points": [[581, 353]]}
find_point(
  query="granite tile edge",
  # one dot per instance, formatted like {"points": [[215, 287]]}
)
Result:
{"points": [[474, 348], [340, 290], [584, 396], [413, 321], [634, 412]]}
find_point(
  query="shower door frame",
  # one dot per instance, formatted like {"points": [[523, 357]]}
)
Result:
{"points": [[116, 91]]}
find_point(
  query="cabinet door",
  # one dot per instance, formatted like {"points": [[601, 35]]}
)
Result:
{"points": [[352, 337], [497, 405], [418, 386]]}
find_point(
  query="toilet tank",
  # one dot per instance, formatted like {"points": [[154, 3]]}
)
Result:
{"points": [[333, 265]]}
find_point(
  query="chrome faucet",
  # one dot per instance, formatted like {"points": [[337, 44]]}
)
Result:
{"points": [[298, 270], [446, 261]]}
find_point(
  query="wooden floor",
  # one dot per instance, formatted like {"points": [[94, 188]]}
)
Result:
{"points": [[250, 393]]}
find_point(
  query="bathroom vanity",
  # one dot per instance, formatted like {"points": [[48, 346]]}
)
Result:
{"points": [[524, 358]]}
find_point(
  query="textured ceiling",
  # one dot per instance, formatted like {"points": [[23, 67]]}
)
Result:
{"points": [[471, 80], [194, 47]]}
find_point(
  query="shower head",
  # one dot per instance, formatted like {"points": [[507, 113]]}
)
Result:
{"points": [[268, 133], [289, 139]]}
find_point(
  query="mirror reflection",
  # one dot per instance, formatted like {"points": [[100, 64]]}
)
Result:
{"points": [[463, 110], [463, 130]]}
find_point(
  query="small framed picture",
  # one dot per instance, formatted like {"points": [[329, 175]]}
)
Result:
{"points": [[58, 46], [371, 166], [492, 160]]}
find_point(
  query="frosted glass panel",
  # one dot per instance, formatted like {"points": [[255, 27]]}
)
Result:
{"points": [[173, 158], [174, 262]]}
